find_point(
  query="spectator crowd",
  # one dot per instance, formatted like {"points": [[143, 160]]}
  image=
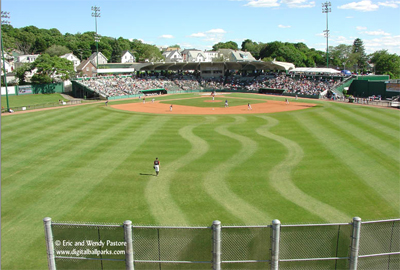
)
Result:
{"points": [[132, 85]]}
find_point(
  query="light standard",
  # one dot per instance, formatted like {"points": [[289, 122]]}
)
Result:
{"points": [[5, 15], [96, 14], [326, 9]]}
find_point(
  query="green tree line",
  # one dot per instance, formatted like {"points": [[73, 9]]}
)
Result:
{"points": [[32, 40]]}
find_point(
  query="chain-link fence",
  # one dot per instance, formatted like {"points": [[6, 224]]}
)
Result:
{"points": [[355, 245]]}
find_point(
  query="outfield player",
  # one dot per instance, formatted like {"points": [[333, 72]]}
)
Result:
{"points": [[156, 166]]}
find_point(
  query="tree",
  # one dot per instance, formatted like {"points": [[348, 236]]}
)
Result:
{"points": [[116, 53], [21, 73], [342, 53], [50, 68], [252, 47], [57, 50], [225, 45], [386, 63], [359, 55]]}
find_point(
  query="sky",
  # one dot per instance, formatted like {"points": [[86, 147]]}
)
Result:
{"points": [[202, 23]]}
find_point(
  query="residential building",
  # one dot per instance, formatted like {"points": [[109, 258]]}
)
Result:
{"points": [[71, 57], [240, 56], [86, 69], [210, 55], [101, 59], [25, 59], [172, 56], [127, 57], [8, 66]]}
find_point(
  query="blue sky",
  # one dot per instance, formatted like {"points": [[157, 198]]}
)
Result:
{"points": [[202, 23]]}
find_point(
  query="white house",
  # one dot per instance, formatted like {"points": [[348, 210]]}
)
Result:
{"points": [[196, 56], [71, 57], [172, 56], [101, 59], [9, 67], [24, 59], [210, 55], [127, 57], [29, 58]]}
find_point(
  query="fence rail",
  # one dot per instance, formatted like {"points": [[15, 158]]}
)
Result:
{"points": [[354, 245]]}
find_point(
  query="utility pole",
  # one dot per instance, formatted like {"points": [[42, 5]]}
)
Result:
{"points": [[5, 15], [96, 14], [326, 9]]}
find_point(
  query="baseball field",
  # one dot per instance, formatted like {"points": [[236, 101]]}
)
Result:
{"points": [[319, 162]]}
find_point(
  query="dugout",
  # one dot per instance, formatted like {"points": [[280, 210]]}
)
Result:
{"points": [[160, 91], [271, 91]]}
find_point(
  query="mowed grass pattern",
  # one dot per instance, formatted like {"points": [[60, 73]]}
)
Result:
{"points": [[93, 163]]}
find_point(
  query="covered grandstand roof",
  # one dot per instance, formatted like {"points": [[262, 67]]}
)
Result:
{"points": [[245, 65], [315, 70]]}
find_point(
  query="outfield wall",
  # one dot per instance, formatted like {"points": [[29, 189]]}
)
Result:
{"points": [[33, 89], [354, 245]]}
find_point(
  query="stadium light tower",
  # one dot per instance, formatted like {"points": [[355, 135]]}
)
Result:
{"points": [[5, 15], [96, 14], [326, 9]]}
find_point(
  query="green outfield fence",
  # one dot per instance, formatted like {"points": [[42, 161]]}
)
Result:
{"points": [[354, 245]]}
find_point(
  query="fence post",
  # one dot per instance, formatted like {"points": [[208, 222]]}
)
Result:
{"points": [[276, 232], [51, 262], [216, 245], [355, 243], [129, 245]]}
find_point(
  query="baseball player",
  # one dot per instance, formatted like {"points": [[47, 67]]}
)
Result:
{"points": [[170, 108], [156, 166], [226, 103], [249, 107]]}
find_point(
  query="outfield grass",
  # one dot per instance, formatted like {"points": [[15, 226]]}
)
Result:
{"points": [[93, 163], [29, 100], [218, 101]]}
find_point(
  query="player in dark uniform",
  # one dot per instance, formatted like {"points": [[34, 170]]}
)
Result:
{"points": [[157, 166]]}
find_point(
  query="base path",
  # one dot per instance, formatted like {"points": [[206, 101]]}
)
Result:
{"points": [[270, 106]]}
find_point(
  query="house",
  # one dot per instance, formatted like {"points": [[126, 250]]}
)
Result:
{"points": [[8, 67], [86, 68], [24, 59], [71, 57], [172, 56], [101, 59], [127, 57], [196, 56], [185, 53], [210, 55], [240, 56]]}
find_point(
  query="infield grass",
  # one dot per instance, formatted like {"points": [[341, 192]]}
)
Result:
{"points": [[93, 163]]}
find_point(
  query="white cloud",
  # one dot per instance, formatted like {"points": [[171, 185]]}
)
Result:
{"points": [[213, 35], [349, 17], [198, 35], [298, 3], [216, 31], [320, 34], [365, 5], [360, 28], [392, 4], [377, 33], [276, 3], [390, 43], [166, 36], [263, 3], [284, 26]]}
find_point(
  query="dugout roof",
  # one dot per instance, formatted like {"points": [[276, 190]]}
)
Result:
{"points": [[243, 65]]}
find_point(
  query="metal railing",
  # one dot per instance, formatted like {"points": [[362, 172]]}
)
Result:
{"points": [[354, 245]]}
